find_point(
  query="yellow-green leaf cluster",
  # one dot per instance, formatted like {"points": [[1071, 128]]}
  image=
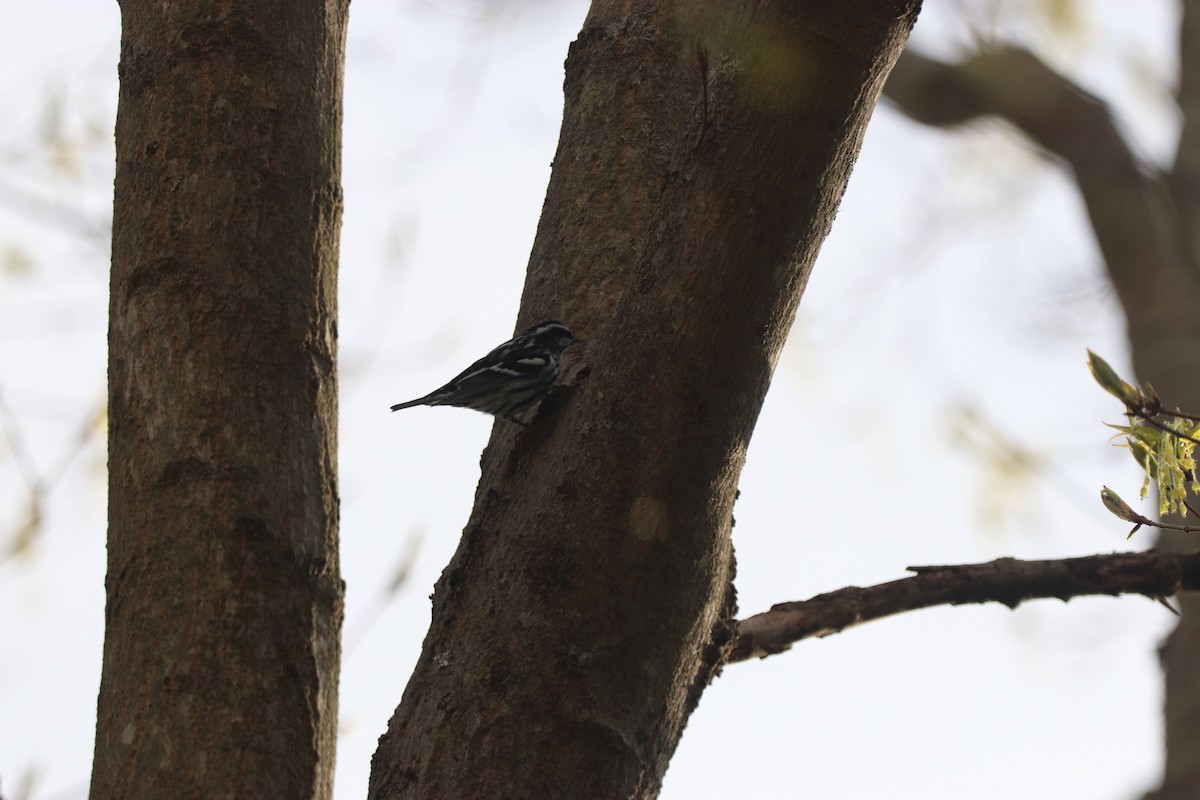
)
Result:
{"points": [[1167, 459], [1163, 443]]}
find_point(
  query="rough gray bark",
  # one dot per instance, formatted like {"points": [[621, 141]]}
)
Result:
{"points": [[1146, 229], [703, 152], [221, 648]]}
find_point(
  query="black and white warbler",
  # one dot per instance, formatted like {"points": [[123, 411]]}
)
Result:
{"points": [[509, 379]]}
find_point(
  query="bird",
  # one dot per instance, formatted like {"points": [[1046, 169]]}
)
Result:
{"points": [[510, 378]]}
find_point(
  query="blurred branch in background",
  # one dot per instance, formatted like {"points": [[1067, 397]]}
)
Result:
{"points": [[358, 627], [55, 178], [1143, 218], [39, 483]]}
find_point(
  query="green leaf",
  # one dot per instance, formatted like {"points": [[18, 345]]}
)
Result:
{"points": [[1111, 382], [1118, 507]]}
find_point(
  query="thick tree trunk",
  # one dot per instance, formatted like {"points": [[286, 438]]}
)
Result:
{"points": [[224, 599], [703, 152]]}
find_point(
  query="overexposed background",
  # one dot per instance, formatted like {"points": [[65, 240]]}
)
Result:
{"points": [[931, 407]]}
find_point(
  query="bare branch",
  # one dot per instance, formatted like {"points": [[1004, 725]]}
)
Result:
{"points": [[1154, 573]]}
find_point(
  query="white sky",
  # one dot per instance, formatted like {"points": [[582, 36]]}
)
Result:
{"points": [[958, 276]]}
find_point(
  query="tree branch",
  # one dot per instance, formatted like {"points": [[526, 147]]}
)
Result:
{"points": [[1131, 212], [1154, 573]]}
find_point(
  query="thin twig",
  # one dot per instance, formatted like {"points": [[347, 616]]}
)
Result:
{"points": [[1153, 523], [1153, 423]]}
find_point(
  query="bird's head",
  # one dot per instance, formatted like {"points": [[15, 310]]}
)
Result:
{"points": [[551, 335]]}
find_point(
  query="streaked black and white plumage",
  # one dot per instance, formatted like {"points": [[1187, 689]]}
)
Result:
{"points": [[509, 379]]}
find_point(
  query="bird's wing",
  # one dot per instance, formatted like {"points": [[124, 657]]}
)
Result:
{"points": [[486, 374]]}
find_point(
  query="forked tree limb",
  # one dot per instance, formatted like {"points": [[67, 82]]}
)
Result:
{"points": [[1131, 211], [1155, 574]]}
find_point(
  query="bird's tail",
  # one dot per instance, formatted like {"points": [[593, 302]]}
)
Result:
{"points": [[420, 401]]}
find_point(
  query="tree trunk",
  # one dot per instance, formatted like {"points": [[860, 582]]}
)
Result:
{"points": [[703, 152], [221, 649]]}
